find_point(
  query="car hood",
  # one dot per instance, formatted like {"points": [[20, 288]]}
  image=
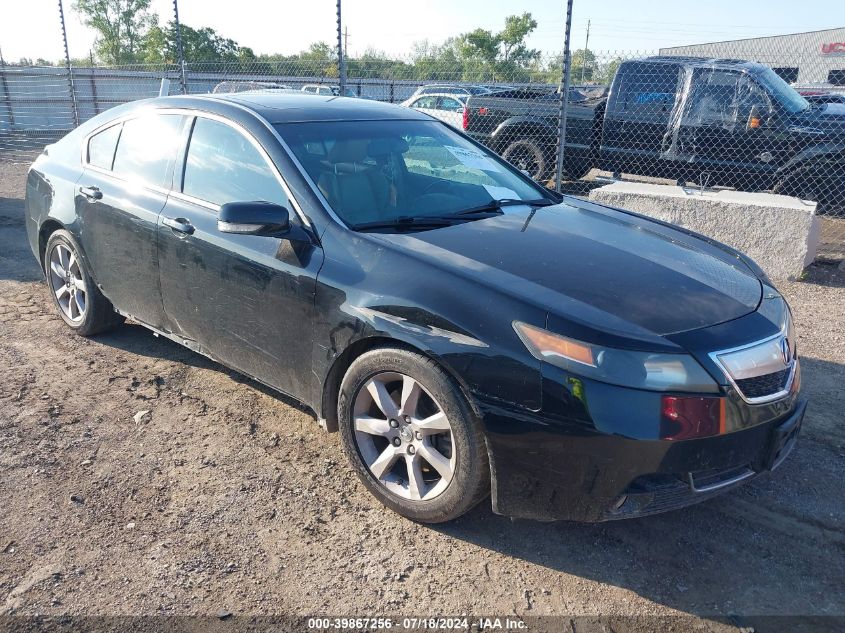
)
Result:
{"points": [[601, 267], [829, 117]]}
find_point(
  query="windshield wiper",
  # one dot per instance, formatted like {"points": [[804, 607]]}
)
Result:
{"points": [[496, 205], [406, 222], [489, 209]]}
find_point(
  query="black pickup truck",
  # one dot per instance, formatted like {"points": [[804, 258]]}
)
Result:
{"points": [[710, 121]]}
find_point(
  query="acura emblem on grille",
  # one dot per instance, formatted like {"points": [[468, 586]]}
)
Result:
{"points": [[784, 350]]}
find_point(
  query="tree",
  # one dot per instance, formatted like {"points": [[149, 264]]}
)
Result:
{"points": [[120, 25], [161, 46], [583, 65], [512, 39]]}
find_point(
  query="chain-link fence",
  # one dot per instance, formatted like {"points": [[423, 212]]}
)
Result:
{"points": [[770, 120]]}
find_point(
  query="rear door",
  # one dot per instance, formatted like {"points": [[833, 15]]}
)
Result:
{"points": [[451, 111], [128, 168], [247, 300]]}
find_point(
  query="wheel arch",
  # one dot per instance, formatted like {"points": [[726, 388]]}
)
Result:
{"points": [[334, 377], [47, 228]]}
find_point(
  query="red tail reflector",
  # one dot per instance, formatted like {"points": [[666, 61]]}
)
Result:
{"points": [[466, 118], [688, 417]]}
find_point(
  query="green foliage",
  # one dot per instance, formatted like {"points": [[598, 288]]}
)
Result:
{"points": [[120, 26], [199, 45]]}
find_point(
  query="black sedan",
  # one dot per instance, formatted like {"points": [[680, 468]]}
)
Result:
{"points": [[466, 330]]}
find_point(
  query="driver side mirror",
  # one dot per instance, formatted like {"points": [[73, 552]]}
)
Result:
{"points": [[253, 218]]}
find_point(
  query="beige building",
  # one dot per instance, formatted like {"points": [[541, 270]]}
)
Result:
{"points": [[800, 58]]}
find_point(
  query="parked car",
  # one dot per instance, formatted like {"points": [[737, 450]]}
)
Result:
{"points": [[329, 91], [465, 329], [449, 108], [722, 122], [225, 87], [452, 89]]}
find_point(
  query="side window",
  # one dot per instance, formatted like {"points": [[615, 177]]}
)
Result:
{"points": [[452, 105], [712, 100], [750, 95], [101, 147], [836, 77], [146, 147], [223, 166], [426, 102], [648, 92]]}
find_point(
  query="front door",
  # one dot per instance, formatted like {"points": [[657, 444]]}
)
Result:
{"points": [[717, 136], [246, 300], [118, 200]]}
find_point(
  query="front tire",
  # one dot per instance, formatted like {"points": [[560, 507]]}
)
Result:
{"points": [[80, 303], [411, 436]]}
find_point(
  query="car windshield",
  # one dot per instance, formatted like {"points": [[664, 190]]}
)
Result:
{"points": [[384, 171], [782, 91]]}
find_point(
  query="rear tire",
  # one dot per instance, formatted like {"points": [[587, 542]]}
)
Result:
{"points": [[425, 457], [80, 303], [527, 154]]}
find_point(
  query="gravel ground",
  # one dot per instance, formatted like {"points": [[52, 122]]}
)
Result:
{"points": [[137, 477]]}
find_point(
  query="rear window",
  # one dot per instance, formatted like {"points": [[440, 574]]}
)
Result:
{"points": [[101, 147], [146, 147], [647, 92]]}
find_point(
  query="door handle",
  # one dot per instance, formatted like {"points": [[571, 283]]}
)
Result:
{"points": [[92, 193], [180, 225]]}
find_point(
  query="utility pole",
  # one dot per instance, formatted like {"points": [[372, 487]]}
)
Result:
{"points": [[586, 49], [345, 41], [179, 50], [341, 59], [564, 97], [71, 87]]}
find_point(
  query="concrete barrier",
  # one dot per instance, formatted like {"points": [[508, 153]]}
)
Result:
{"points": [[780, 233]]}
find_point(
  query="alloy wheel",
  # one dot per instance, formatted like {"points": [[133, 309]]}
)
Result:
{"points": [[67, 282], [403, 436]]}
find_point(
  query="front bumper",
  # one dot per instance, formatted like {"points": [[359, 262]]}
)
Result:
{"points": [[548, 470]]}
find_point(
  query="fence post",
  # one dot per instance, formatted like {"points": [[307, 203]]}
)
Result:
{"points": [[71, 87], [93, 80], [180, 51], [564, 98], [6, 96], [341, 60]]}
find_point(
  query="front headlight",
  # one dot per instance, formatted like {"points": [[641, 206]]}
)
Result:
{"points": [[639, 370]]}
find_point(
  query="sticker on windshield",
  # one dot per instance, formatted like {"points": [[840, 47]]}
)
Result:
{"points": [[501, 193], [472, 158]]}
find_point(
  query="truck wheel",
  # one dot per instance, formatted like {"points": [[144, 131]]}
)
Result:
{"points": [[802, 186], [527, 155]]}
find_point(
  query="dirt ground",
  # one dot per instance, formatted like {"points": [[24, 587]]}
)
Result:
{"points": [[138, 478]]}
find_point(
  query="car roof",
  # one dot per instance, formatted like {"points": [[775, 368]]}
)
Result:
{"points": [[700, 61], [451, 95], [296, 107]]}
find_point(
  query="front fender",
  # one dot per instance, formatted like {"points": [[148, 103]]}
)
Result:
{"points": [[823, 154]]}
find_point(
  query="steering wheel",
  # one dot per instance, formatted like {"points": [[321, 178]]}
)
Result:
{"points": [[446, 185]]}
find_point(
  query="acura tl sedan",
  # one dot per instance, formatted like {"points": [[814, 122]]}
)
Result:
{"points": [[469, 333]]}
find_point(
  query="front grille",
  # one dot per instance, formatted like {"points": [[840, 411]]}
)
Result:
{"points": [[766, 385]]}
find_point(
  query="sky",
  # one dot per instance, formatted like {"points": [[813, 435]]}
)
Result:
{"points": [[392, 26]]}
